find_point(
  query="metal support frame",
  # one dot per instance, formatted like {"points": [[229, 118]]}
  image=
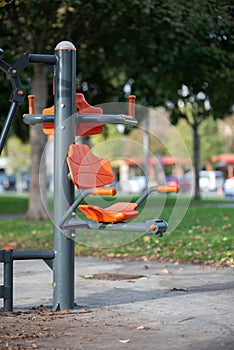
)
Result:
{"points": [[149, 227], [7, 125], [64, 135], [97, 119], [18, 93], [8, 280], [61, 259], [7, 257]]}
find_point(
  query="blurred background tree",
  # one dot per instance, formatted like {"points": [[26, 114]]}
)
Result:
{"points": [[155, 47], [94, 27]]}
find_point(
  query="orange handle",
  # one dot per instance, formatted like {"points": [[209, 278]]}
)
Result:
{"points": [[168, 189], [8, 247], [109, 191], [131, 105], [31, 99]]}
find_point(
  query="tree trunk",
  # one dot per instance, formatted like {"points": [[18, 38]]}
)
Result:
{"points": [[196, 160], [38, 140]]}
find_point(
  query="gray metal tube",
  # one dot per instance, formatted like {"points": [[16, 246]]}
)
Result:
{"points": [[146, 143], [7, 125], [82, 118], [33, 119], [69, 212], [106, 119], [156, 226], [27, 254], [38, 58], [64, 135], [8, 281]]}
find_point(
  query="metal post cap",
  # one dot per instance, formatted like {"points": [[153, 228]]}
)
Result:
{"points": [[65, 45]]}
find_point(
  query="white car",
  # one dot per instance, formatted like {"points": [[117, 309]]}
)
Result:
{"points": [[136, 184], [228, 187]]}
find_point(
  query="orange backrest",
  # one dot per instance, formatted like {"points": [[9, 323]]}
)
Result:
{"points": [[88, 170], [48, 128], [82, 107]]}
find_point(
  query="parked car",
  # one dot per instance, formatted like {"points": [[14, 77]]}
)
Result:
{"points": [[228, 187], [7, 182], [4, 182], [25, 182], [136, 184], [210, 180], [184, 184], [12, 183]]}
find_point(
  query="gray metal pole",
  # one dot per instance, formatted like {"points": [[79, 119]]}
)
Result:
{"points": [[64, 135], [8, 280], [146, 144]]}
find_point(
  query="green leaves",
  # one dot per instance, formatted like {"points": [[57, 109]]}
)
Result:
{"points": [[160, 45]]}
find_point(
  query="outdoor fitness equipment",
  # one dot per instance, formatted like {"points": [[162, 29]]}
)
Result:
{"points": [[74, 164]]}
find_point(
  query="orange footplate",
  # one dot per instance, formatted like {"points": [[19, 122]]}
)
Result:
{"points": [[115, 213]]}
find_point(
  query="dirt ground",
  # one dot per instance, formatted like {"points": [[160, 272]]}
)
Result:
{"points": [[125, 305]]}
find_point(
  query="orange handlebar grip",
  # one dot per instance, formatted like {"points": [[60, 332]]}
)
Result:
{"points": [[168, 189], [109, 191], [131, 105], [31, 99], [8, 247]]}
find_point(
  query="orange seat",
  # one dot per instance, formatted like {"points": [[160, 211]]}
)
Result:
{"points": [[115, 213], [88, 170]]}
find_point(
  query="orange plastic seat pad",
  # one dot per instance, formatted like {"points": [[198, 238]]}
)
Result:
{"points": [[88, 170], [115, 213]]}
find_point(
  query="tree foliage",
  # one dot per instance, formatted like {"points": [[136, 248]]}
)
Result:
{"points": [[157, 46], [189, 43]]}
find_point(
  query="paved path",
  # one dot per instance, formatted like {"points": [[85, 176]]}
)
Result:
{"points": [[171, 306]]}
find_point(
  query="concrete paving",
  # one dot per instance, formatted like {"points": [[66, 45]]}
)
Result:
{"points": [[171, 306]]}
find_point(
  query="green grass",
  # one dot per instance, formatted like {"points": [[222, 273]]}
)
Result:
{"points": [[12, 204], [205, 235]]}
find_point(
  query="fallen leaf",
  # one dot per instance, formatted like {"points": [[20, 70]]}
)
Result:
{"points": [[87, 276], [164, 271], [140, 328], [84, 310], [124, 341], [110, 255]]}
